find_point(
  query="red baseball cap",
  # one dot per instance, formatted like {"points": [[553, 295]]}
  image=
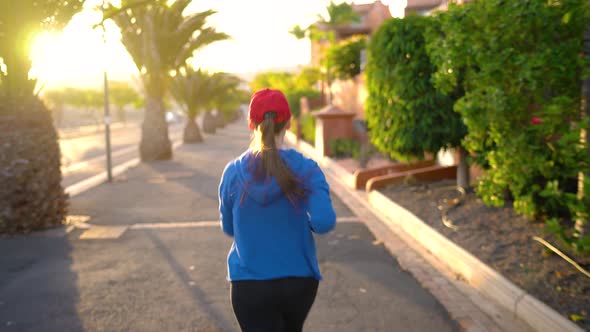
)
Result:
{"points": [[268, 100]]}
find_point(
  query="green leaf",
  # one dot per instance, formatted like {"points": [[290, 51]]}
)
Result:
{"points": [[566, 18]]}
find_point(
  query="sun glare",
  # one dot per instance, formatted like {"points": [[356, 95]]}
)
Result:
{"points": [[259, 30], [78, 55]]}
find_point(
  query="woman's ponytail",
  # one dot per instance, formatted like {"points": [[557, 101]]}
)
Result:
{"points": [[271, 164]]}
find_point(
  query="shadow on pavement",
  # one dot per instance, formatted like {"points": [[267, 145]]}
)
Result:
{"points": [[350, 255], [38, 288], [199, 295]]}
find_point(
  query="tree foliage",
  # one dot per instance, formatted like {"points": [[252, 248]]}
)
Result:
{"points": [[345, 58], [520, 67], [406, 115], [160, 38], [20, 22], [122, 94], [76, 97]]}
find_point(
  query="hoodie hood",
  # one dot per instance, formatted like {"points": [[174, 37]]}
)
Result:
{"points": [[267, 191]]}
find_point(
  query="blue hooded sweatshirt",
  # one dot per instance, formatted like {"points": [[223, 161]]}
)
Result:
{"points": [[273, 237]]}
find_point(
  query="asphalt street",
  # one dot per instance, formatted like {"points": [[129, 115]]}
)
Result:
{"points": [[84, 156], [154, 259]]}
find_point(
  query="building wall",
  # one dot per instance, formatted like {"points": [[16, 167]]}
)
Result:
{"points": [[350, 95]]}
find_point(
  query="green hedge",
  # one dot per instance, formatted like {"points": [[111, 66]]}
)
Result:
{"points": [[294, 98], [406, 115], [519, 65]]}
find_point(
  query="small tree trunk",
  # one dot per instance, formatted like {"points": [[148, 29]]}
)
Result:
{"points": [[192, 134], [155, 144], [58, 115], [581, 223], [463, 169], [329, 81], [208, 123], [219, 120], [121, 116]]}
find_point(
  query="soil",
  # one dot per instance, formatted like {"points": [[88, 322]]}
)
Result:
{"points": [[503, 240]]}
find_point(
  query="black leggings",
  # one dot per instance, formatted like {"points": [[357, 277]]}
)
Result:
{"points": [[273, 305]]}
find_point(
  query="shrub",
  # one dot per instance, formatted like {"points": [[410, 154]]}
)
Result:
{"points": [[520, 67], [294, 98], [406, 115], [345, 148], [308, 128]]}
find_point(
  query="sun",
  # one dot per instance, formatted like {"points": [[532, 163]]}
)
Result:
{"points": [[78, 55]]}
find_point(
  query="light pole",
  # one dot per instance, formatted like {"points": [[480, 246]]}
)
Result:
{"points": [[107, 115]]}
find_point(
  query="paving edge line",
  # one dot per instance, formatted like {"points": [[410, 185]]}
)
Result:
{"points": [[484, 279], [96, 180]]}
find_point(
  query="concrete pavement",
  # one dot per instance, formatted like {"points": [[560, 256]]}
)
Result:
{"points": [[155, 261]]}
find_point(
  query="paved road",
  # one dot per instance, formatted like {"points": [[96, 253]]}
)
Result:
{"points": [[84, 156], [158, 261]]}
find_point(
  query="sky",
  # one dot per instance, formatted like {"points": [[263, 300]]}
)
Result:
{"points": [[259, 30]]}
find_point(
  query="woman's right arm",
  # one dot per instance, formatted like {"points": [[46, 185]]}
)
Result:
{"points": [[322, 217], [225, 203]]}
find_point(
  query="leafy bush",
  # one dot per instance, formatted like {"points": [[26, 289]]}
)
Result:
{"points": [[407, 116], [520, 67], [345, 58], [308, 128], [294, 86], [345, 148]]}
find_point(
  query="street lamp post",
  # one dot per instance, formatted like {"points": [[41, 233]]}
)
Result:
{"points": [[107, 127], [107, 115]]}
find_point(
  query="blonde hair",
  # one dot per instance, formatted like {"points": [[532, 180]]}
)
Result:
{"points": [[264, 148]]}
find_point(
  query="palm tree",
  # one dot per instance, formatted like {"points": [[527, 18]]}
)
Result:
{"points": [[221, 87], [31, 194], [229, 105], [190, 89], [198, 90], [225, 96], [338, 15], [160, 39]]}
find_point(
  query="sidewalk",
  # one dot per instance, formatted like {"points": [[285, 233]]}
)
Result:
{"points": [[155, 260]]}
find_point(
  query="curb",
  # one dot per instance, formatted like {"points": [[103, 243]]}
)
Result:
{"points": [[101, 178], [478, 275]]}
